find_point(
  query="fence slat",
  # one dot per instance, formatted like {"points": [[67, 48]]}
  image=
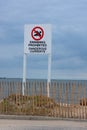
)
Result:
{"points": [[68, 99]]}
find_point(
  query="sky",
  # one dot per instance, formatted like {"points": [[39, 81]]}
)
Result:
{"points": [[69, 38]]}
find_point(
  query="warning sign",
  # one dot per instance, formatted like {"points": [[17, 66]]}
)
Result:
{"points": [[37, 33], [37, 39]]}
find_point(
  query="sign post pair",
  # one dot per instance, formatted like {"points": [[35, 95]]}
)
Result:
{"points": [[37, 40]]}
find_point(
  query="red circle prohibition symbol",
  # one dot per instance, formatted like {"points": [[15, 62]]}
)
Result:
{"points": [[37, 33]]}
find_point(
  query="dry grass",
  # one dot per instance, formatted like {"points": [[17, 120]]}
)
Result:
{"points": [[29, 105], [41, 106]]}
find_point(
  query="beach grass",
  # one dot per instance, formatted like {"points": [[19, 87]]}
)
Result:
{"points": [[39, 105]]}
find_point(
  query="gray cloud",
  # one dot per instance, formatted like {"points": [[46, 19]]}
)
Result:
{"points": [[69, 36]]}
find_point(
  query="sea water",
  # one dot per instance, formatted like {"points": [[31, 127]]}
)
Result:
{"points": [[60, 90]]}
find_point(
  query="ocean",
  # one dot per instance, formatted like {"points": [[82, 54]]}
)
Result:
{"points": [[64, 91]]}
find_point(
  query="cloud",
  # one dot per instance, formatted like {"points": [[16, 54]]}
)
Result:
{"points": [[69, 36], [9, 51]]}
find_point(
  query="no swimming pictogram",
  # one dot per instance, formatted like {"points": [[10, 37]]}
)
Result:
{"points": [[37, 33]]}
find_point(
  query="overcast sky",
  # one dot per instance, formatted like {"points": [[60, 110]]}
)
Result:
{"points": [[69, 38]]}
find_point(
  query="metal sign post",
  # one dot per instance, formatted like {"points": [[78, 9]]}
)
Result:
{"points": [[37, 40], [24, 73], [49, 75]]}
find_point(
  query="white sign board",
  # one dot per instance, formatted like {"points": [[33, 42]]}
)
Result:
{"points": [[37, 39]]}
